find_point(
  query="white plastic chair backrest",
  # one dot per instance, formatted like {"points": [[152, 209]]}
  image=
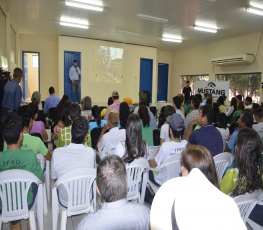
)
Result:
{"points": [[134, 179], [222, 160], [14, 186], [246, 203], [153, 150], [106, 152], [78, 184], [172, 165], [42, 161]]}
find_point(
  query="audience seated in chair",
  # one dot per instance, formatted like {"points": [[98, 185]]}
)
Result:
{"points": [[207, 136], [194, 200], [164, 133], [75, 155], [16, 158], [246, 176], [113, 136], [116, 213], [96, 121]]}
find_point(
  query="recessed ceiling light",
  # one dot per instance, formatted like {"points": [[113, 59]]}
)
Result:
{"points": [[171, 40], [127, 32], [74, 22], [82, 5], [152, 18]]}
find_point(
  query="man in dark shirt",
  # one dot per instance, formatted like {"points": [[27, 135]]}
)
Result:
{"points": [[187, 91], [12, 94], [207, 136]]}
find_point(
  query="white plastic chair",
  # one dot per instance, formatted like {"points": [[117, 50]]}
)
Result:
{"points": [[45, 166], [14, 186], [106, 152], [80, 186], [172, 165], [222, 160], [136, 180], [153, 150], [246, 203]]}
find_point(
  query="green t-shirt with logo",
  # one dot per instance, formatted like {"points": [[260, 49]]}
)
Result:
{"points": [[21, 159]]}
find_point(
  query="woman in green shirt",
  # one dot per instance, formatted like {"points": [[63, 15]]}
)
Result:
{"points": [[147, 131]]}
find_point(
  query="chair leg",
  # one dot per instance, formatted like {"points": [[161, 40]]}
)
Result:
{"points": [[55, 209], [32, 220], [47, 178], [1, 223], [64, 220], [45, 199], [40, 207]]}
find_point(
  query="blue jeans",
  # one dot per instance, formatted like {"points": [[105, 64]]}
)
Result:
{"points": [[76, 90]]}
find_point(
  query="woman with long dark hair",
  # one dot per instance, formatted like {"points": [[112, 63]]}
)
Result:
{"points": [[96, 121], [134, 150], [233, 107], [147, 131], [247, 175], [124, 113]]}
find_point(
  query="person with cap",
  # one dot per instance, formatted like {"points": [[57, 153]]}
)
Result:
{"points": [[12, 94], [168, 148], [36, 97], [115, 106], [111, 135], [208, 135], [74, 76]]}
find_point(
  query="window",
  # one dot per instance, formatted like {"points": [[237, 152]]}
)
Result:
{"points": [[193, 79], [246, 84]]}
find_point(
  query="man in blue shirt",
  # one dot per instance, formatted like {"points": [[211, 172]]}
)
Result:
{"points": [[52, 101], [12, 94], [207, 136]]}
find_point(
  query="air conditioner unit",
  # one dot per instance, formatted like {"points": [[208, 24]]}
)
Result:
{"points": [[235, 59]]}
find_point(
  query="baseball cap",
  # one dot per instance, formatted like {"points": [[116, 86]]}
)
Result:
{"points": [[115, 93], [175, 121], [36, 97]]}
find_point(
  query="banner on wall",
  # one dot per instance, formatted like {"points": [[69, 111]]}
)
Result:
{"points": [[216, 88]]}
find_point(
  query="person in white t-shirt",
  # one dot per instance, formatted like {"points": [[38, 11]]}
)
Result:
{"points": [[222, 127], [114, 135], [258, 115], [75, 155], [169, 148], [134, 150], [164, 133]]}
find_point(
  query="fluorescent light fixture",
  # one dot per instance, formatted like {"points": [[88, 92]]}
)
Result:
{"points": [[127, 32], [205, 27], [87, 6], [171, 38], [256, 5], [255, 11], [74, 22], [152, 18], [73, 25], [91, 2]]}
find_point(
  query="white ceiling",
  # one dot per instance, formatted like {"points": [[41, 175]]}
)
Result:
{"points": [[42, 17]]}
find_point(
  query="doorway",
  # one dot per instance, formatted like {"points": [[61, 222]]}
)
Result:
{"points": [[69, 57], [163, 70], [146, 74], [31, 70]]}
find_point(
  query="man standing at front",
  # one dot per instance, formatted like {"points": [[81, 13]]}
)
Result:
{"points": [[12, 94], [74, 75]]}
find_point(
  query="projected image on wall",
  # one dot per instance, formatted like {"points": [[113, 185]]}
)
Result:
{"points": [[109, 63]]}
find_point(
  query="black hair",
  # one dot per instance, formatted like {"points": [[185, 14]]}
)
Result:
{"points": [[51, 90], [13, 127], [124, 113], [96, 114], [208, 112], [24, 113], [248, 161], [74, 111], [86, 103], [64, 113], [110, 101], [247, 118], [249, 100], [135, 145], [168, 111], [33, 109], [222, 120], [144, 97], [17, 73], [239, 97], [196, 101], [111, 179], [79, 130], [75, 61], [258, 113], [144, 116], [221, 100], [177, 102], [234, 103]]}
